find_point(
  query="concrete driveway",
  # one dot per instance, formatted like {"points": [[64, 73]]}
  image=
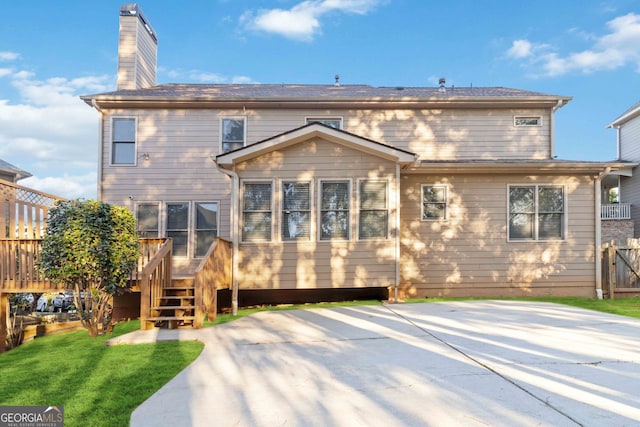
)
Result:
{"points": [[480, 363]]}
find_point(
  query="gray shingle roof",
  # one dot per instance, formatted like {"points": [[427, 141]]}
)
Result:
{"points": [[8, 167], [310, 92]]}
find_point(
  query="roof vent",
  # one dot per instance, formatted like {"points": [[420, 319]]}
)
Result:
{"points": [[337, 83], [442, 82]]}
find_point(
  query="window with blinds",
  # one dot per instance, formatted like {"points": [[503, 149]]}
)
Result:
{"points": [[374, 210], [334, 210], [296, 210], [256, 212]]}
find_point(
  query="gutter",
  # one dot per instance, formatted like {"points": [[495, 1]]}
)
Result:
{"points": [[234, 235], [598, 224]]}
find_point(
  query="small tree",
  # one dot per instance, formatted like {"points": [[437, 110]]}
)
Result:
{"points": [[91, 247]]}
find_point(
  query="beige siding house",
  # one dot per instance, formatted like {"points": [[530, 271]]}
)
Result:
{"points": [[419, 191]]}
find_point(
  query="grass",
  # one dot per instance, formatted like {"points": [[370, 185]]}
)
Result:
{"points": [[97, 385], [625, 306], [101, 386]]}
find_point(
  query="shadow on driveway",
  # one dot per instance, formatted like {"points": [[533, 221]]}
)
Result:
{"points": [[497, 363]]}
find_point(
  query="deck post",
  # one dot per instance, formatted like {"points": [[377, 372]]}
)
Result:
{"points": [[4, 319]]}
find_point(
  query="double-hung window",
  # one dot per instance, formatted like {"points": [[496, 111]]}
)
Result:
{"points": [[123, 141], [334, 210], [233, 133], [374, 211], [296, 210], [257, 211], [434, 202], [178, 227], [536, 212], [206, 226], [147, 224]]}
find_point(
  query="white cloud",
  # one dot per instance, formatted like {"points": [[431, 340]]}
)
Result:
{"points": [[8, 56], [302, 21], [199, 76], [618, 48], [51, 133]]}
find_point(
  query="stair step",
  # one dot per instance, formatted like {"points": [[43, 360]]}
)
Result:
{"points": [[174, 307], [177, 297], [158, 318], [180, 288]]}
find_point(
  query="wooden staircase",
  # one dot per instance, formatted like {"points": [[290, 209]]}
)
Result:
{"points": [[176, 306]]}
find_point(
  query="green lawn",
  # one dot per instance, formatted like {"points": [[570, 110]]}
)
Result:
{"points": [[97, 385], [101, 386]]}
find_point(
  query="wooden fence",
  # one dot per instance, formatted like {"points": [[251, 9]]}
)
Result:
{"points": [[621, 268]]}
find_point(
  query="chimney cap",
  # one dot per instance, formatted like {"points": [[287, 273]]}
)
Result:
{"points": [[132, 9]]}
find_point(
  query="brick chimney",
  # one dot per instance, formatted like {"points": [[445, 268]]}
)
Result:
{"points": [[137, 50]]}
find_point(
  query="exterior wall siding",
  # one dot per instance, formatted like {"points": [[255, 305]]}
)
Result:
{"points": [[630, 186], [317, 263], [469, 255]]}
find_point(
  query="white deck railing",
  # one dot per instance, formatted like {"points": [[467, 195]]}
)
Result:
{"points": [[616, 211]]}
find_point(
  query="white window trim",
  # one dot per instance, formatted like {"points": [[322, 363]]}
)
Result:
{"points": [[357, 223], [194, 222], [516, 118], [319, 210], [322, 117], [312, 214], [565, 219], [446, 202], [273, 212], [221, 133], [136, 142]]}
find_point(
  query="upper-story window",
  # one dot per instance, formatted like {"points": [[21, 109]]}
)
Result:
{"points": [[234, 133], [536, 212], [334, 122], [434, 202], [123, 141], [527, 121]]}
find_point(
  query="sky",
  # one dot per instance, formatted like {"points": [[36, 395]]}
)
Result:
{"points": [[51, 52]]}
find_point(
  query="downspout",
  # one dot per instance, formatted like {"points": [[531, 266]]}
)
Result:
{"points": [[397, 235], [552, 122], [234, 235], [100, 147], [598, 243]]}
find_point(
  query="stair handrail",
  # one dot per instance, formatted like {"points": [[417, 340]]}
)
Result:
{"points": [[154, 277], [213, 273]]}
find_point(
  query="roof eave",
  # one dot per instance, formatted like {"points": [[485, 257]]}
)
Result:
{"points": [[498, 167]]}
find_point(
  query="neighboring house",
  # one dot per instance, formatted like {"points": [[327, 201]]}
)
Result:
{"points": [[628, 186], [422, 191], [11, 173]]}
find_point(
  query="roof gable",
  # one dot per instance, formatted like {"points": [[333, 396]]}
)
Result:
{"points": [[314, 130]]}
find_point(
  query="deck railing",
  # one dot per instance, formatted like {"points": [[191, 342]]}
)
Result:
{"points": [[213, 273], [154, 277], [23, 211], [615, 211], [18, 272]]}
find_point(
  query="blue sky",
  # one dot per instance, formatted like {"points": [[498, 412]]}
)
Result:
{"points": [[53, 51]]}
